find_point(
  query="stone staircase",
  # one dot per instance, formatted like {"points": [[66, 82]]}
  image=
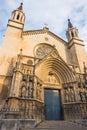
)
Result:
{"points": [[59, 125], [45, 125]]}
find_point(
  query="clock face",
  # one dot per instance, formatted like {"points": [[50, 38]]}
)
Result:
{"points": [[42, 50]]}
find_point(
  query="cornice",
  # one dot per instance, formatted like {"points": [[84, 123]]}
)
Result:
{"points": [[18, 11], [6, 76], [15, 21], [71, 42], [29, 57], [14, 26], [33, 32], [57, 37], [75, 39]]}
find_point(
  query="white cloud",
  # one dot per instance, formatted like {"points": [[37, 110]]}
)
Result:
{"points": [[53, 12]]}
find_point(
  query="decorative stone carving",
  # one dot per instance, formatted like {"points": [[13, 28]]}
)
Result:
{"points": [[42, 50]]}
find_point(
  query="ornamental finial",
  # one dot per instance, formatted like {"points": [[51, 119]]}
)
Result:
{"points": [[69, 24]]}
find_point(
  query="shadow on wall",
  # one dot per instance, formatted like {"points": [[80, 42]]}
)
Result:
{"points": [[5, 82]]}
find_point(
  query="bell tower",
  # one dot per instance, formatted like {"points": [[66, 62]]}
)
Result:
{"points": [[76, 46], [17, 18], [14, 31], [72, 32]]}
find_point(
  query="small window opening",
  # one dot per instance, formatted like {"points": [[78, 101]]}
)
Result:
{"points": [[72, 34], [18, 17]]}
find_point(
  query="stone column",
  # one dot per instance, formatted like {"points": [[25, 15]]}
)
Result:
{"points": [[15, 87]]}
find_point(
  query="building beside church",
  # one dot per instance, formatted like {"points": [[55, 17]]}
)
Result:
{"points": [[42, 76]]}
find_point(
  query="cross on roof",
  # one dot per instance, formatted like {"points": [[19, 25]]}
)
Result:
{"points": [[46, 25]]}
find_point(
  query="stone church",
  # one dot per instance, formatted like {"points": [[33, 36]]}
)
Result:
{"points": [[42, 76]]}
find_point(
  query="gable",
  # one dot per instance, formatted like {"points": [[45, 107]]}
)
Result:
{"points": [[31, 39], [44, 31]]}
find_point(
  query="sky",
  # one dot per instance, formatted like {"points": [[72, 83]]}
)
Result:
{"points": [[52, 12]]}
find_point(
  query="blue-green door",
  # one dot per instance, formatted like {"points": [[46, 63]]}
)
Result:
{"points": [[53, 109]]}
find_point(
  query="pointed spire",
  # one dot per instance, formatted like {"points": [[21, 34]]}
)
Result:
{"points": [[69, 24], [20, 7]]}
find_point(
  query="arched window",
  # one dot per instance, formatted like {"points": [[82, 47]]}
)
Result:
{"points": [[72, 34], [18, 16]]}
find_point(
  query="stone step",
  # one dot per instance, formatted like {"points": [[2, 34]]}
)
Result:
{"points": [[60, 125], [45, 125]]}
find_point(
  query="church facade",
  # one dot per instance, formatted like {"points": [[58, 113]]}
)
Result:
{"points": [[41, 75]]}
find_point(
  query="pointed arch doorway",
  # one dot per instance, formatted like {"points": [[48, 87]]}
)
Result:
{"points": [[54, 66]]}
